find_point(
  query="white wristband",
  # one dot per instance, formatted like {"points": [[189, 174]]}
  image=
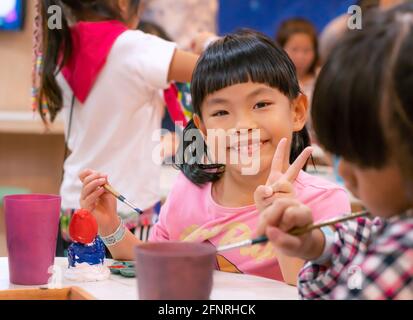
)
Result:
{"points": [[115, 237]]}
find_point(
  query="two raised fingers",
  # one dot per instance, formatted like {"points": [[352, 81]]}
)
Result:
{"points": [[279, 182], [292, 172], [278, 161]]}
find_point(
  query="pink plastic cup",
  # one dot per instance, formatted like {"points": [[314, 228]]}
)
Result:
{"points": [[32, 223]]}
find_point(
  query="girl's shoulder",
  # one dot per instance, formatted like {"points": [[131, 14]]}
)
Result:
{"points": [[140, 40], [315, 182], [325, 198], [145, 56], [128, 43]]}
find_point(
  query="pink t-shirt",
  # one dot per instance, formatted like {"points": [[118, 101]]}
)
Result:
{"points": [[191, 214]]}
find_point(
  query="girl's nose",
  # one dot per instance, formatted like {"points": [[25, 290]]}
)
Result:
{"points": [[245, 122]]}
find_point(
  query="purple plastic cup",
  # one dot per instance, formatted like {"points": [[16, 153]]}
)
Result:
{"points": [[174, 270], [32, 223]]}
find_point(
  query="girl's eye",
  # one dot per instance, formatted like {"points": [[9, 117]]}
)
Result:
{"points": [[260, 105], [220, 113]]}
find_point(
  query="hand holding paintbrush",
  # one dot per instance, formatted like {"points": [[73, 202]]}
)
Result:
{"points": [[98, 196], [298, 231], [288, 225]]}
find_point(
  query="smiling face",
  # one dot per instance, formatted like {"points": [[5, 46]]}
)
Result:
{"points": [[243, 109]]}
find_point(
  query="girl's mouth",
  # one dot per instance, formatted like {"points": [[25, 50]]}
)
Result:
{"points": [[250, 149]]}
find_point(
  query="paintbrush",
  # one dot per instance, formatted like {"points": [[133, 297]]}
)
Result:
{"points": [[121, 198], [296, 231]]}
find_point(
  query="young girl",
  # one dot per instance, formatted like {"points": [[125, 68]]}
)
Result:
{"points": [[298, 37], [366, 258], [243, 83], [107, 90]]}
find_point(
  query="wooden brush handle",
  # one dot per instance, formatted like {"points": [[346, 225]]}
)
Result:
{"points": [[302, 230], [109, 189]]}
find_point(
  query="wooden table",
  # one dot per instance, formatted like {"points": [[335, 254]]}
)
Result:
{"points": [[227, 286]]}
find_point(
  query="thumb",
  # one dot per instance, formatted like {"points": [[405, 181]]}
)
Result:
{"points": [[261, 193], [282, 186]]}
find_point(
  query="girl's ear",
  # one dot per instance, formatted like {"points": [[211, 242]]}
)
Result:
{"points": [[199, 124], [299, 112], [131, 18]]}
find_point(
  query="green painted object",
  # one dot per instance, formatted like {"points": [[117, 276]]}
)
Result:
{"points": [[123, 268], [7, 191]]}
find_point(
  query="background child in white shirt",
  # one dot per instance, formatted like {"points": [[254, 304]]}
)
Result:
{"points": [[105, 78]]}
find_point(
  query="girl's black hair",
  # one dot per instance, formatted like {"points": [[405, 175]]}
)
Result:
{"points": [[366, 5], [57, 43], [237, 58], [365, 90], [155, 29]]}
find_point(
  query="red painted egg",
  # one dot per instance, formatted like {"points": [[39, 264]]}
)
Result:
{"points": [[83, 227]]}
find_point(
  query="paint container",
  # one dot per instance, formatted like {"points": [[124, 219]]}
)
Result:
{"points": [[32, 223], [175, 270]]}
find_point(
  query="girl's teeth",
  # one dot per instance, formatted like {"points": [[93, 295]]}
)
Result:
{"points": [[248, 148]]}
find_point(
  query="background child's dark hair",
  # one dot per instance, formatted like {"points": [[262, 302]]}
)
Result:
{"points": [[57, 43], [365, 91], [237, 58], [293, 26], [367, 5], [155, 29]]}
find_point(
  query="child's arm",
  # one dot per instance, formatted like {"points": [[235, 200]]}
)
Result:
{"points": [[183, 63], [290, 268], [123, 250], [182, 66], [102, 205], [202, 40], [350, 271]]}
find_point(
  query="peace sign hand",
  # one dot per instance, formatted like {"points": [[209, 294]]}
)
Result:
{"points": [[279, 184]]}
